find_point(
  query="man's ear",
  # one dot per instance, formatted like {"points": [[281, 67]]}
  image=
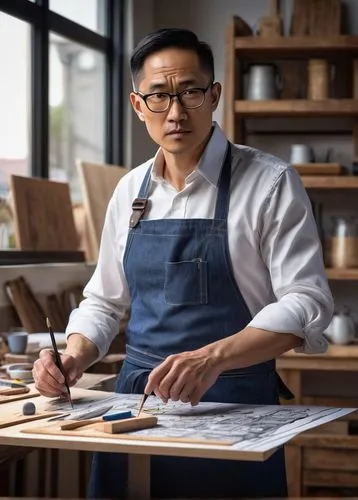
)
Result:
{"points": [[137, 103], [215, 94]]}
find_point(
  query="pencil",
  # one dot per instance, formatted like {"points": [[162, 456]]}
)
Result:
{"points": [[141, 404], [58, 359]]}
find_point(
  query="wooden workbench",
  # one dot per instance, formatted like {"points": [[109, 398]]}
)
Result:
{"points": [[139, 451]]}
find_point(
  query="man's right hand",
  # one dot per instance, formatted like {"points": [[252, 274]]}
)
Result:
{"points": [[48, 378], [79, 355]]}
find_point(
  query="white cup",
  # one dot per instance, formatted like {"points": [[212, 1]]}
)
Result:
{"points": [[301, 153]]}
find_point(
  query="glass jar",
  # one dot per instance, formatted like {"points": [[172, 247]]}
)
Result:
{"points": [[343, 242]]}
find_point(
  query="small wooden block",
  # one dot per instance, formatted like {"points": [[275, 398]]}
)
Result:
{"points": [[130, 424]]}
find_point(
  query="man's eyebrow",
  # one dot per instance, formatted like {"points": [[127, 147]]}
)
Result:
{"points": [[157, 86]]}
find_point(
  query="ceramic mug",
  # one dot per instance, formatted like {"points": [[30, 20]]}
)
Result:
{"points": [[300, 153], [17, 342]]}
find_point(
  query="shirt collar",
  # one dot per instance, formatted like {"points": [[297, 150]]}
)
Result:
{"points": [[210, 163]]}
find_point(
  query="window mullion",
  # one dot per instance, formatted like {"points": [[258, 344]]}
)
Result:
{"points": [[40, 93]]}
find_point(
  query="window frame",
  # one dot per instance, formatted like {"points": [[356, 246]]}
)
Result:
{"points": [[43, 21]]}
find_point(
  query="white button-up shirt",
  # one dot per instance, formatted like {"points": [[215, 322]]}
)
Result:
{"points": [[273, 242]]}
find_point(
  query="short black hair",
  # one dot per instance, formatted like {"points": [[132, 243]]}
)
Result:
{"points": [[167, 38]]}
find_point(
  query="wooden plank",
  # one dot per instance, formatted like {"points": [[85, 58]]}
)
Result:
{"points": [[316, 17], [20, 257], [143, 421], [338, 441], [17, 397], [355, 79], [330, 182], [330, 478], [318, 168], [293, 459], [295, 45], [98, 182], [18, 418], [342, 274], [325, 17], [335, 401], [138, 476], [297, 107], [43, 215], [300, 21], [229, 87], [336, 427], [323, 459], [345, 352]]}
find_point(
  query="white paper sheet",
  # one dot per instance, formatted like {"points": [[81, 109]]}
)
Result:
{"points": [[250, 427]]}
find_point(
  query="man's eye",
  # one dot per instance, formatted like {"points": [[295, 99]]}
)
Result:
{"points": [[190, 92], [158, 97]]}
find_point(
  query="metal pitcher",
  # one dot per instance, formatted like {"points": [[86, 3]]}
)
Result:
{"points": [[264, 82]]}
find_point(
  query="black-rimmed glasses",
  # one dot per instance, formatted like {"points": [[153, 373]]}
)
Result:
{"points": [[158, 102]]}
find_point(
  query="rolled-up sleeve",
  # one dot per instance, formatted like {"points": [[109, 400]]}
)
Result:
{"points": [[106, 294], [291, 250]]}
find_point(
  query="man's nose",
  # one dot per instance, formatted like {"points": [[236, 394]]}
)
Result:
{"points": [[176, 110]]}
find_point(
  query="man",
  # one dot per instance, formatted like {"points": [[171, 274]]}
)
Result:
{"points": [[214, 249]]}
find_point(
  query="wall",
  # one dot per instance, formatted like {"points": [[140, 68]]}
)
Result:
{"points": [[209, 18]]}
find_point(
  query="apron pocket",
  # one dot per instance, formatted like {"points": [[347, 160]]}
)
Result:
{"points": [[186, 282]]}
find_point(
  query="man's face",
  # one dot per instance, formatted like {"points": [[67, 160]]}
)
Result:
{"points": [[177, 130]]}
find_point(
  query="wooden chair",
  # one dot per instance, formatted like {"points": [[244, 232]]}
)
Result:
{"points": [[98, 181]]}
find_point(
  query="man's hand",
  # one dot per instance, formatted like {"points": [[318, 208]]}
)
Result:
{"points": [[185, 377], [49, 381], [79, 355]]}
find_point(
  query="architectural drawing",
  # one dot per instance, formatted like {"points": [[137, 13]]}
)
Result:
{"points": [[247, 427]]}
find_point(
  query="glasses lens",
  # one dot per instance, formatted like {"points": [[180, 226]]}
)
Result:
{"points": [[192, 98], [158, 102]]}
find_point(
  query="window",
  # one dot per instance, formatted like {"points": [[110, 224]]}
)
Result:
{"points": [[60, 91], [77, 109], [60, 86], [15, 80], [87, 13]]}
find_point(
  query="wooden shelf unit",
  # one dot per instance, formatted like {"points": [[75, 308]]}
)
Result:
{"points": [[244, 50]]}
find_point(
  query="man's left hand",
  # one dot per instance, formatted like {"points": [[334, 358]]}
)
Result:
{"points": [[185, 377]]}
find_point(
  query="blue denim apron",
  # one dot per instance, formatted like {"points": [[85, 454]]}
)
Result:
{"points": [[184, 296]]}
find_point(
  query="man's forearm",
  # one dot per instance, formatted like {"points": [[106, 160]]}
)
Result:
{"points": [[83, 350], [249, 347]]}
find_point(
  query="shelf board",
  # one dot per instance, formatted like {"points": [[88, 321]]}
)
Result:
{"points": [[297, 107], [20, 257], [299, 46], [330, 181], [342, 274]]}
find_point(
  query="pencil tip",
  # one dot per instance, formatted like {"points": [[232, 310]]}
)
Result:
{"points": [[48, 323]]}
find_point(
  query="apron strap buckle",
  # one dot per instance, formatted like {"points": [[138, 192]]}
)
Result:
{"points": [[138, 208]]}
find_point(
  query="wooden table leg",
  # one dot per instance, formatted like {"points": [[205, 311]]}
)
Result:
{"points": [[138, 476]]}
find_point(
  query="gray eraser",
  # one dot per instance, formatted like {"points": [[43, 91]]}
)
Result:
{"points": [[29, 408]]}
